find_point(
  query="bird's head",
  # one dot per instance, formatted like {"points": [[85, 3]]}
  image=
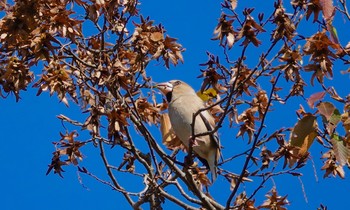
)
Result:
{"points": [[174, 88]]}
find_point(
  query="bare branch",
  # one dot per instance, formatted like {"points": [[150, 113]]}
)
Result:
{"points": [[111, 176], [256, 137]]}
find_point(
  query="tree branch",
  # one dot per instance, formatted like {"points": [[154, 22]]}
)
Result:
{"points": [[253, 147], [111, 176]]}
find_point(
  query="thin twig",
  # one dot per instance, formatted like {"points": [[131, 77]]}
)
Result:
{"points": [[111, 185], [176, 201], [256, 137], [111, 175], [345, 9]]}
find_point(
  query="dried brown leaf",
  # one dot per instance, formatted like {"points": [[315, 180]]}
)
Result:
{"points": [[315, 97], [304, 133]]}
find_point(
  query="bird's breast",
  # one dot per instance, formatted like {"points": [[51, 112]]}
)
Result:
{"points": [[181, 116]]}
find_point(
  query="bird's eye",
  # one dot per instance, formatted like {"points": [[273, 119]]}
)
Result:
{"points": [[177, 82]]}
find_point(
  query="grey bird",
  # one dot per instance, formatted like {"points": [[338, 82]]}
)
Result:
{"points": [[183, 103]]}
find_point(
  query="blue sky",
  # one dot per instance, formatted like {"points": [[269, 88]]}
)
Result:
{"points": [[30, 126]]}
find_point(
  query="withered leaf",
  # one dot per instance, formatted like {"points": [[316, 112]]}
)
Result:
{"points": [[326, 109], [341, 149], [234, 4], [274, 201], [315, 97], [330, 115], [304, 133], [327, 10], [156, 36], [331, 167]]}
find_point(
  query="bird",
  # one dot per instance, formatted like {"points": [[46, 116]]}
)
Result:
{"points": [[183, 103]]}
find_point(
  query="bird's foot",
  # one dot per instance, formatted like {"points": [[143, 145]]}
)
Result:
{"points": [[188, 160]]}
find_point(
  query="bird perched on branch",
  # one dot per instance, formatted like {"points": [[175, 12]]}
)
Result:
{"points": [[183, 104]]}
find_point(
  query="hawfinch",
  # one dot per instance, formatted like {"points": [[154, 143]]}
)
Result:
{"points": [[183, 103]]}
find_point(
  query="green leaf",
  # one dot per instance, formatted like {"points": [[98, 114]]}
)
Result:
{"points": [[333, 121], [336, 117], [333, 31]]}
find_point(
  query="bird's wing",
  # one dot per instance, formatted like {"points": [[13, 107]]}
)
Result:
{"points": [[210, 125]]}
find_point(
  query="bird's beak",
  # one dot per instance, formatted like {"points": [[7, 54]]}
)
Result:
{"points": [[164, 87]]}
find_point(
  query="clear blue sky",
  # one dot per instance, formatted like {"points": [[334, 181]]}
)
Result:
{"points": [[29, 127]]}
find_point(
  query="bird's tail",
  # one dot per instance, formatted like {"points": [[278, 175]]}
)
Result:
{"points": [[212, 162]]}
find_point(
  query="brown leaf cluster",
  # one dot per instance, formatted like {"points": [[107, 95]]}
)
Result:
{"points": [[243, 80], [291, 69], [339, 154], [200, 177], [102, 73], [224, 31], [313, 7], [291, 154], [299, 4], [117, 120], [274, 201], [150, 40], [128, 162], [14, 76], [266, 157], [258, 106], [28, 32], [321, 56], [211, 74], [250, 30], [331, 167], [243, 203], [69, 148], [57, 80], [284, 25], [147, 111]]}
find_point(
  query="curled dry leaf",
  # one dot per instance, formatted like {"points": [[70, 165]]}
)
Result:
{"points": [[274, 201], [319, 47], [284, 25], [331, 167], [315, 97], [147, 111], [67, 147], [247, 120], [291, 67], [243, 203], [200, 177], [313, 7], [266, 157], [223, 30], [249, 31]]}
